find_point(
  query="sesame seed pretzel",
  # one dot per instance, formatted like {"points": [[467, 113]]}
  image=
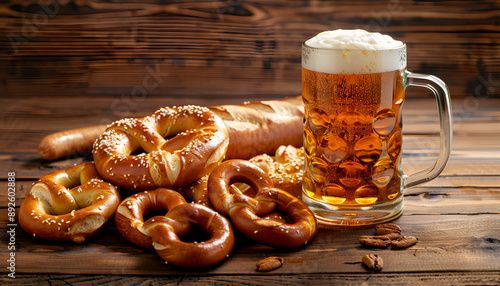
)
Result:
{"points": [[285, 168], [224, 195], [162, 232], [197, 192], [69, 205], [171, 148], [247, 213]]}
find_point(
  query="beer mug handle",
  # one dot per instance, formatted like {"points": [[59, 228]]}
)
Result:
{"points": [[440, 90]]}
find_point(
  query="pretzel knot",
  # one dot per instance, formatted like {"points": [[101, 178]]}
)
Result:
{"points": [[129, 216], [285, 168], [250, 215], [197, 192], [162, 232], [69, 205], [171, 148]]}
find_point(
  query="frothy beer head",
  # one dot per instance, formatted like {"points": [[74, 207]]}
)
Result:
{"points": [[353, 52]]}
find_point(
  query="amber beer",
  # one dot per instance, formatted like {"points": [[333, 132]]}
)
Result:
{"points": [[352, 137], [352, 130], [353, 88]]}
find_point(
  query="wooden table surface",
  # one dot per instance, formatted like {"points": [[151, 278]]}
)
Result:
{"points": [[456, 217]]}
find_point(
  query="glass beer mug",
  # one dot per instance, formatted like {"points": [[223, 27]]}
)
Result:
{"points": [[353, 88]]}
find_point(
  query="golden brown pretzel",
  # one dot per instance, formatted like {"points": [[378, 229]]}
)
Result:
{"points": [[224, 196], [244, 213], [69, 205], [285, 168], [199, 142], [129, 216], [197, 192], [276, 233], [192, 254]]}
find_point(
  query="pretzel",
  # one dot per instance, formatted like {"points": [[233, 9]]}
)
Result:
{"points": [[285, 168], [192, 254], [197, 192], [224, 195], [246, 213], [69, 205], [198, 144], [129, 216], [254, 128], [162, 232]]}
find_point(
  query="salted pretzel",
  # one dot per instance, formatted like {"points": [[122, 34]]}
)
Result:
{"points": [[69, 205], [246, 212], [162, 232], [224, 195], [171, 148], [129, 216], [285, 168], [196, 192]]}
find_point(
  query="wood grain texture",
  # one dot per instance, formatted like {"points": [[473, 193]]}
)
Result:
{"points": [[455, 217], [442, 241], [443, 278], [475, 129], [134, 49]]}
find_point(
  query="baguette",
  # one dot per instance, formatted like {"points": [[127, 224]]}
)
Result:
{"points": [[254, 128], [261, 127], [69, 142]]}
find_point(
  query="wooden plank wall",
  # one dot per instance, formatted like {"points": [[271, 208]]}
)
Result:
{"points": [[250, 49]]}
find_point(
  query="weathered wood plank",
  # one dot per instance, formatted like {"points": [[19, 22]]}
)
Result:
{"points": [[460, 172], [442, 241], [62, 112], [480, 135], [419, 200], [99, 47], [66, 112], [451, 201], [442, 278], [464, 164], [420, 117]]}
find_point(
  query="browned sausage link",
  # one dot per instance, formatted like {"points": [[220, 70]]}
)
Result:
{"points": [[69, 142]]}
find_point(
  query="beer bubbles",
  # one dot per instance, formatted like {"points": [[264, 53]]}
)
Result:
{"points": [[352, 95]]}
